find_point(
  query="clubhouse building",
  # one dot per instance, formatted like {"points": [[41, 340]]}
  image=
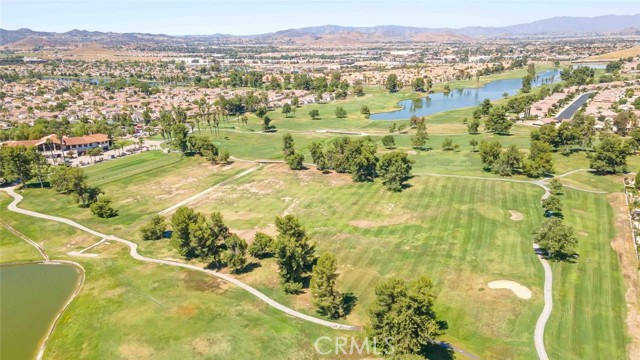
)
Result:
{"points": [[52, 146]]}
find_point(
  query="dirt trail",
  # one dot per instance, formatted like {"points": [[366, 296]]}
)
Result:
{"points": [[622, 244]]}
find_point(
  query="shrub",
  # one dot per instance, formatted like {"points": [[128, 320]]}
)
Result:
{"points": [[102, 208], [263, 246], [154, 229]]}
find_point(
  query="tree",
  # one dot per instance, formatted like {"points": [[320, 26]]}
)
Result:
{"points": [[295, 161], [508, 162], [540, 161], [403, 312], [447, 144], [180, 223], [391, 84], [179, 133], [552, 205], [16, 163], [328, 300], [266, 124], [485, 107], [490, 153], [388, 141], [39, 165], [498, 121], [287, 145], [102, 208], [358, 89], [262, 246], [294, 253], [286, 109], [341, 113], [556, 238], [610, 156], [394, 168], [556, 186], [418, 84], [318, 156], [154, 229], [364, 110], [622, 121], [419, 140], [235, 255], [314, 114], [473, 126], [526, 84], [473, 143], [261, 112]]}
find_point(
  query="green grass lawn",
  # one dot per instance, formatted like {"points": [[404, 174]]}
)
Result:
{"points": [[133, 310], [456, 231], [14, 249]]}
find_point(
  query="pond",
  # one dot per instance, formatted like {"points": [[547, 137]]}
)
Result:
{"points": [[31, 296], [462, 98]]}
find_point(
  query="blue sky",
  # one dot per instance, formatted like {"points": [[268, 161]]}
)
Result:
{"points": [[254, 17]]}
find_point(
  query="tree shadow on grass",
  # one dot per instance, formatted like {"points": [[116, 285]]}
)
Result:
{"points": [[249, 267], [36, 185], [439, 351], [349, 301]]}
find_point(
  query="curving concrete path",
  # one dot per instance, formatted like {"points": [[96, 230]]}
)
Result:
{"points": [[133, 251]]}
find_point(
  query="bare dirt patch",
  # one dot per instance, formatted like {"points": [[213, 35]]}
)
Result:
{"points": [[265, 186], [250, 234], [412, 152], [201, 282], [132, 350], [215, 344], [519, 290], [623, 245], [515, 215], [367, 224], [186, 310]]}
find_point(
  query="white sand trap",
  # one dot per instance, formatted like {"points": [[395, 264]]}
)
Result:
{"points": [[521, 291], [515, 216]]}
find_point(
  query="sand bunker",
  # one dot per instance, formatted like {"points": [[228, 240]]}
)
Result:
{"points": [[521, 291], [515, 216]]}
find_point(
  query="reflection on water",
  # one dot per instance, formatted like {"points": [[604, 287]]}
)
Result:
{"points": [[462, 98]]}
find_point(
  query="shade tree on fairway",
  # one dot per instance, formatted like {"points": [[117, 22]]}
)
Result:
{"points": [[102, 208], [394, 169], [403, 313], [419, 140], [73, 180], [235, 254], [263, 246], [388, 141], [314, 114], [552, 205], [295, 255], [154, 229], [194, 236], [341, 113], [293, 159], [610, 156], [318, 156], [556, 186], [498, 122], [556, 238], [324, 295], [391, 84]]}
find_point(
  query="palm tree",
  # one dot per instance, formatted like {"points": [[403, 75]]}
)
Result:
{"points": [[60, 133]]}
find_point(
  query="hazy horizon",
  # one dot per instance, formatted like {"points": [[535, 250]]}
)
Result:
{"points": [[258, 17]]}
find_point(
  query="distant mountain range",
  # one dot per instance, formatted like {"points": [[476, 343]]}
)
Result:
{"points": [[608, 24]]}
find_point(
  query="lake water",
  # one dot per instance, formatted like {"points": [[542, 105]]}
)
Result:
{"points": [[31, 296], [462, 98]]}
